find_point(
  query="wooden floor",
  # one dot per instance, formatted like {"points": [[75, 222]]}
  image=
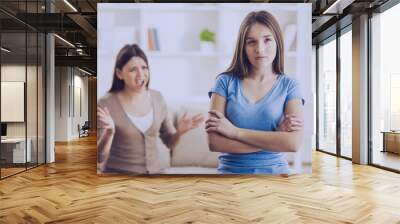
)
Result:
{"points": [[70, 191], [10, 171], [5, 172]]}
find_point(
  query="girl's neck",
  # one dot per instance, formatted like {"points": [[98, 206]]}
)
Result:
{"points": [[262, 74]]}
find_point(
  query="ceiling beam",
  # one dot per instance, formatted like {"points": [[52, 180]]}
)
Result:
{"points": [[83, 61], [337, 7], [84, 24]]}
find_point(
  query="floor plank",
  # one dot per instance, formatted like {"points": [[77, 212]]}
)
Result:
{"points": [[70, 191]]}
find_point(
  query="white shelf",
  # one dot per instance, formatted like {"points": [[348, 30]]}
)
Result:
{"points": [[181, 54], [200, 7], [291, 54], [201, 54], [151, 7], [286, 7], [179, 7], [287, 53]]}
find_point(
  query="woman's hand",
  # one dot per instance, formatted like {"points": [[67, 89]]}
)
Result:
{"points": [[104, 120], [185, 124], [290, 123], [105, 137], [218, 123]]}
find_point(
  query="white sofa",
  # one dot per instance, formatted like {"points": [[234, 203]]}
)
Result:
{"points": [[191, 155]]}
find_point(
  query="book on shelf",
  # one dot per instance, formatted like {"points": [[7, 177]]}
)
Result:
{"points": [[150, 41], [157, 43], [153, 40]]}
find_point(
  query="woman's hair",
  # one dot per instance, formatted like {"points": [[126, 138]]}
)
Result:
{"points": [[124, 55], [240, 65]]}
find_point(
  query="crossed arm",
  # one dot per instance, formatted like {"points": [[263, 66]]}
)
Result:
{"points": [[225, 137]]}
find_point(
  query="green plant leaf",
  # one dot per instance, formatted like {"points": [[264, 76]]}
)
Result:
{"points": [[207, 35]]}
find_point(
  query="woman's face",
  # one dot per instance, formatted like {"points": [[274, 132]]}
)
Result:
{"points": [[260, 46], [135, 74]]}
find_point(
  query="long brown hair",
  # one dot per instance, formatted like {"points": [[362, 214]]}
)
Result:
{"points": [[124, 55], [240, 65]]}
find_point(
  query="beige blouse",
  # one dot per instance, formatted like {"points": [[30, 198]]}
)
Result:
{"points": [[133, 151]]}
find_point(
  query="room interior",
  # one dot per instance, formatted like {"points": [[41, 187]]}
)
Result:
{"points": [[49, 91]]}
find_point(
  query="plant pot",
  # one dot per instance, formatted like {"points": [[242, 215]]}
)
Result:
{"points": [[206, 46]]}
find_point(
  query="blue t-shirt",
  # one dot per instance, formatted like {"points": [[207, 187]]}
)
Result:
{"points": [[264, 115]]}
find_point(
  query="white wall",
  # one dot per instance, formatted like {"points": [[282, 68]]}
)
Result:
{"points": [[80, 84], [61, 104], [12, 73], [314, 84], [67, 114], [32, 127]]}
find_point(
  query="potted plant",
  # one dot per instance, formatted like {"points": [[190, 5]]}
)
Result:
{"points": [[207, 40]]}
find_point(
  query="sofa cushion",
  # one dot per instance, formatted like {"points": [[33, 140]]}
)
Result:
{"points": [[192, 149], [163, 154], [190, 170]]}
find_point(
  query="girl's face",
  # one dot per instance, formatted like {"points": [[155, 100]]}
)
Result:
{"points": [[260, 46], [135, 74]]}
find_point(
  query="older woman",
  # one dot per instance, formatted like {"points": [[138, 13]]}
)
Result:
{"points": [[131, 117], [256, 110]]}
